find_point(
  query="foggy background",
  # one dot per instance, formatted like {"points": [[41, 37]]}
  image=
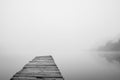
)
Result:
{"points": [[81, 35]]}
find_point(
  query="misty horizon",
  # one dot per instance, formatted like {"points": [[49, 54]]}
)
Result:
{"points": [[83, 36]]}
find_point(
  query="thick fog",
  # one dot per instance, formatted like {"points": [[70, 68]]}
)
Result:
{"points": [[65, 29]]}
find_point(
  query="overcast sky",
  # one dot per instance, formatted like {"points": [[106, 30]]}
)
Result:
{"points": [[61, 28]]}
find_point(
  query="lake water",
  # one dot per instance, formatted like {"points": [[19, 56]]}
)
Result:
{"points": [[74, 65]]}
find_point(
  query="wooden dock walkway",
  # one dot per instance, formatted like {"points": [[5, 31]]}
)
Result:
{"points": [[40, 68]]}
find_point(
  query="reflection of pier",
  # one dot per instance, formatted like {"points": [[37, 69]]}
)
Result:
{"points": [[40, 68]]}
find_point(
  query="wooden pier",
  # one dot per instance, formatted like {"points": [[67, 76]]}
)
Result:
{"points": [[40, 68]]}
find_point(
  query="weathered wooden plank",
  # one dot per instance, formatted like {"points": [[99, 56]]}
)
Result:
{"points": [[38, 65], [40, 69], [35, 78], [43, 66], [24, 78], [42, 61], [51, 74]]}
